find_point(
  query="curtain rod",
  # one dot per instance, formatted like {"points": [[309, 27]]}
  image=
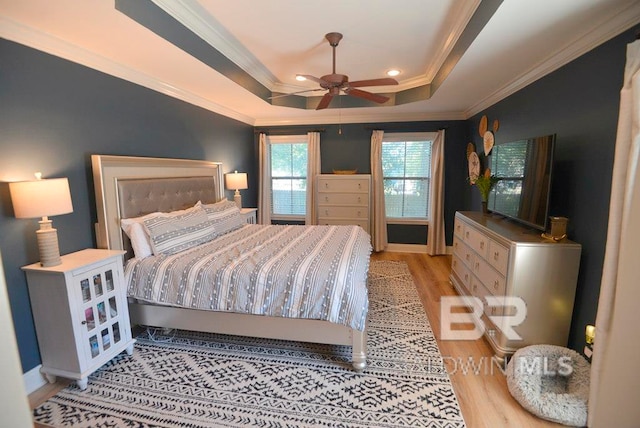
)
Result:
{"points": [[285, 131]]}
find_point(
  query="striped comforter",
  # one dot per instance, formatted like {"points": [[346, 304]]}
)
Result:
{"points": [[313, 272]]}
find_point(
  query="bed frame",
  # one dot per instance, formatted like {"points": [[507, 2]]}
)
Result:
{"points": [[132, 186]]}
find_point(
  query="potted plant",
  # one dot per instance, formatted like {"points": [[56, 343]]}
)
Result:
{"points": [[484, 183]]}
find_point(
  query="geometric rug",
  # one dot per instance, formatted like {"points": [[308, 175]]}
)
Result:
{"points": [[189, 379]]}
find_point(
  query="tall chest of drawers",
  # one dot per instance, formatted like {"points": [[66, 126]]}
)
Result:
{"points": [[494, 257], [344, 199]]}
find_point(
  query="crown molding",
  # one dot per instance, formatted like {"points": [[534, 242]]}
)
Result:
{"points": [[622, 21], [198, 20], [463, 14], [36, 39], [341, 118]]}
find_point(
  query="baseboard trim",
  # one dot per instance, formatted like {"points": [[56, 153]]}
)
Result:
{"points": [[33, 379], [406, 248]]}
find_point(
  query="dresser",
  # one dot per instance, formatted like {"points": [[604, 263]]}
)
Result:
{"points": [[80, 313], [494, 257], [344, 199]]}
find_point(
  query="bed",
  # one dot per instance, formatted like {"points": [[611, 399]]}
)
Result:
{"points": [[131, 187]]}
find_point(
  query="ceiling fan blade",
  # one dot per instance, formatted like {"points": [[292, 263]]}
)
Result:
{"points": [[376, 98], [295, 93], [325, 101], [312, 78], [373, 82]]}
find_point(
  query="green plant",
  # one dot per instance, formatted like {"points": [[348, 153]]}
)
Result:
{"points": [[484, 183]]}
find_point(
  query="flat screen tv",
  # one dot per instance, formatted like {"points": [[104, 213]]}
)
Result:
{"points": [[524, 168]]}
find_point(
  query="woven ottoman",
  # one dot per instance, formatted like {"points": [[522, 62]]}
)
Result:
{"points": [[552, 382]]}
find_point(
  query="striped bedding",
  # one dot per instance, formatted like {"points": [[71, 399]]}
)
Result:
{"points": [[312, 272]]}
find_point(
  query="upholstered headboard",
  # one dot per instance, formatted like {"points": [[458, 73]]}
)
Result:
{"points": [[133, 186]]}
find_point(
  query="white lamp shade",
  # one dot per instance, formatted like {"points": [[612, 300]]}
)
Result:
{"points": [[41, 198], [236, 180]]}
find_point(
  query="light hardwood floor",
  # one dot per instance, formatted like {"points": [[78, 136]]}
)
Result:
{"points": [[481, 389]]}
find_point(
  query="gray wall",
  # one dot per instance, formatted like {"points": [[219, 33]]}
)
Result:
{"points": [[54, 115], [579, 103]]}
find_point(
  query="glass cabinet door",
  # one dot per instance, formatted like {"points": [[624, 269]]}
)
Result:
{"points": [[100, 309]]}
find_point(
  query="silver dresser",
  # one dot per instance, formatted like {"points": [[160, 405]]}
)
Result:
{"points": [[493, 256]]}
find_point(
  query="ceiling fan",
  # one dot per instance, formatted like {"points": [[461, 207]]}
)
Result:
{"points": [[335, 83]]}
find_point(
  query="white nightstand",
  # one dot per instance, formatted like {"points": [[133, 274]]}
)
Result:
{"points": [[249, 214], [80, 312]]}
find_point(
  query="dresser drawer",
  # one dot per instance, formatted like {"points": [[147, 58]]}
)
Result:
{"points": [[476, 240], [458, 246], [326, 184], [490, 278], [344, 212], [458, 228], [328, 198], [462, 271], [498, 257]]}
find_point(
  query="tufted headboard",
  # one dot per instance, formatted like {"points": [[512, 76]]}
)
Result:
{"points": [[133, 186]]}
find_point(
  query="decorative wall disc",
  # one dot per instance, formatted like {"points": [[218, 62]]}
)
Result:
{"points": [[474, 167], [483, 125], [488, 141]]}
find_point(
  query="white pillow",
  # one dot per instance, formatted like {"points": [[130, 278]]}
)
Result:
{"points": [[174, 233], [225, 216], [140, 240]]}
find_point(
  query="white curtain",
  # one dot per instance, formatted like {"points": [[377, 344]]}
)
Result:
{"points": [[615, 378], [435, 239], [379, 227], [264, 191], [313, 169]]}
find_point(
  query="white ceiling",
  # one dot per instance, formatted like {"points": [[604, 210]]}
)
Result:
{"points": [[276, 39]]}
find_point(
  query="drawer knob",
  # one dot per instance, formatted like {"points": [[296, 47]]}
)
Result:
{"points": [[326, 185], [359, 199], [358, 213], [326, 212], [326, 198], [495, 284], [468, 256], [475, 287], [477, 265], [359, 185], [482, 245], [466, 234]]}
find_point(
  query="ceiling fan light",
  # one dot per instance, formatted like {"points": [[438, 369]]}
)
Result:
{"points": [[393, 72], [300, 78]]}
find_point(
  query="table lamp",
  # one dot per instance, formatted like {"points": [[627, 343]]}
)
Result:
{"points": [[43, 198], [236, 181]]}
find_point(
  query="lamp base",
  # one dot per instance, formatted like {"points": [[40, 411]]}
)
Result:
{"points": [[48, 244], [237, 198]]}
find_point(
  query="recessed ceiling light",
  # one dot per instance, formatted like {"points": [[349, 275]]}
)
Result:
{"points": [[393, 72], [300, 78]]}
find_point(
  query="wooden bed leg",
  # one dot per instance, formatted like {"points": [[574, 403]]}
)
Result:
{"points": [[359, 350]]}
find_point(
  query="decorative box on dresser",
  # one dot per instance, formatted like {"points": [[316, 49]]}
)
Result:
{"points": [[344, 199], [80, 313], [493, 256]]}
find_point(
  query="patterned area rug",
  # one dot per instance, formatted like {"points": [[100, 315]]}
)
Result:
{"points": [[207, 380]]}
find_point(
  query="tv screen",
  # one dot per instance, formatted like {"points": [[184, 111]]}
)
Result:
{"points": [[524, 168]]}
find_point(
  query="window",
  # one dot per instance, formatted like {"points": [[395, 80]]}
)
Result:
{"points": [[288, 159], [406, 167], [508, 161]]}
